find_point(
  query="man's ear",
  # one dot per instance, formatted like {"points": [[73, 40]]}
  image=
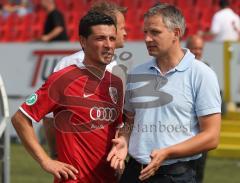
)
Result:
{"points": [[82, 41], [177, 33]]}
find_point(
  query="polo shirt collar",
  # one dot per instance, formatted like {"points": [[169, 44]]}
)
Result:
{"points": [[183, 65], [186, 60]]}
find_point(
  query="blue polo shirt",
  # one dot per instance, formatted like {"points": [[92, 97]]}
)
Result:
{"points": [[167, 106]]}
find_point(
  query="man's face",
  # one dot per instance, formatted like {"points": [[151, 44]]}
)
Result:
{"points": [[158, 38], [44, 3], [196, 47], [121, 30], [100, 45]]}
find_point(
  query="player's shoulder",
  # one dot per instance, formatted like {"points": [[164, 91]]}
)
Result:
{"points": [[61, 72], [79, 54], [73, 59]]}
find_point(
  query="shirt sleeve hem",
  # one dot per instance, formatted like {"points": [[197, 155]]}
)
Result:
{"points": [[205, 112], [26, 114], [120, 126]]}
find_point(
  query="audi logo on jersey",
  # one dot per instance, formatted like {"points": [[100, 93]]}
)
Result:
{"points": [[103, 114]]}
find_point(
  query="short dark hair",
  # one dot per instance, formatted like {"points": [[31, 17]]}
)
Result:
{"points": [[93, 18], [223, 3]]}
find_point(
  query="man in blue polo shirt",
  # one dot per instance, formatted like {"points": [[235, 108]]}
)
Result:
{"points": [[172, 106]]}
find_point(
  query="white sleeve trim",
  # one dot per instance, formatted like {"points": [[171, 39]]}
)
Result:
{"points": [[49, 115], [26, 114], [120, 126]]}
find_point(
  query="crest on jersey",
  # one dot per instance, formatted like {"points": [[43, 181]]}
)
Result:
{"points": [[32, 99], [113, 94]]}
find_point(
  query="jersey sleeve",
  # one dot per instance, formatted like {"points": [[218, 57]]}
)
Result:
{"points": [[39, 103]]}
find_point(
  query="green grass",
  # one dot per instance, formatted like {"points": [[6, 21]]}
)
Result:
{"points": [[25, 170], [220, 170]]}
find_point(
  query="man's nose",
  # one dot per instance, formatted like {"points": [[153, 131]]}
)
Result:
{"points": [[147, 37], [109, 43]]}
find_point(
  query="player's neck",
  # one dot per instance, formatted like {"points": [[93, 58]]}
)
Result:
{"points": [[95, 68]]}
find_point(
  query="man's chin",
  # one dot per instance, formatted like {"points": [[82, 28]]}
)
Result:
{"points": [[151, 53], [106, 61]]}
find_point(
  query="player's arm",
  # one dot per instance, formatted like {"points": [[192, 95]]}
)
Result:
{"points": [[119, 151], [24, 128]]}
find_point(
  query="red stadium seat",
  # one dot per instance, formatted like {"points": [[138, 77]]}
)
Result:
{"points": [[78, 6], [23, 33], [133, 4], [72, 21], [204, 3], [145, 5], [7, 31], [168, 1], [206, 18], [198, 15], [61, 5], [182, 4], [38, 23]]}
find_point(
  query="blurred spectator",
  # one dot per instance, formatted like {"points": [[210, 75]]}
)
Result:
{"points": [[195, 44], [225, 24], [54, 28], [6, 9], [1, 9], [23, 7]]}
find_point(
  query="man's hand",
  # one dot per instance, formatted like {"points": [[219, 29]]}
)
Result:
{"points": [[118, 153], [59, 169], [157, 156]]}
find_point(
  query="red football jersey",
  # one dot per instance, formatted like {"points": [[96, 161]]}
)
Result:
{"points": [[87, 111]]}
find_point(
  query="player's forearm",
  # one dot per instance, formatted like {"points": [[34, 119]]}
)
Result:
{"points": [[25, 131], [200, 143], [207, 139]]}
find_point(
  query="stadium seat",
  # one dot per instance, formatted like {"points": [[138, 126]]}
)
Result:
{"points": [[38, 23], [72, 21], [78, 6], [22, 30], [206, 18], [133, 4], [169, 1], [204, 3], [145, 5], [182, 4], [61, 5], [7, 31], [198, 15]]}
